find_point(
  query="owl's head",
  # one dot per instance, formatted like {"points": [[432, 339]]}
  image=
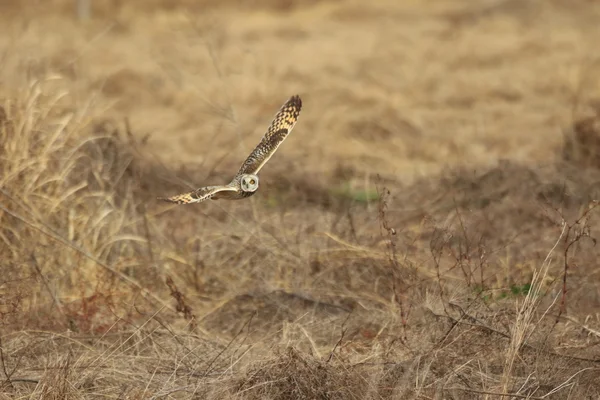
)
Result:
{"points": [[249, 183]]}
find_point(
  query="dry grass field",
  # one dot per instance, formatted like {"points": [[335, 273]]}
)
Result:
{"points": [[426, 232]]}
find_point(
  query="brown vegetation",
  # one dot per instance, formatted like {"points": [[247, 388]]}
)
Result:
{"points": [[426, 232]]}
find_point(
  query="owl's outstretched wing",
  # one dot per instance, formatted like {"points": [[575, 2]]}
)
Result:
{"points": [[282, 125], [197, 195]]}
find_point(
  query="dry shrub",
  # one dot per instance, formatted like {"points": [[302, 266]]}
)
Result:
{"points": [[293, 375], [70, 223]]}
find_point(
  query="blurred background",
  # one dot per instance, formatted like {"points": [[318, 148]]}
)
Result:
{"points": [[403, 89]]}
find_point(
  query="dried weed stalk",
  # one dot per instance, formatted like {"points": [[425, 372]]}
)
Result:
{"points": [[575, 232], [523, 327], [182, 306], [571, 233], [466, 254], [399, 283]]}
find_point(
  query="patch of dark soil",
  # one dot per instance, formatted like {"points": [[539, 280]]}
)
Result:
{"points": [[510, 194], [267, 311]]}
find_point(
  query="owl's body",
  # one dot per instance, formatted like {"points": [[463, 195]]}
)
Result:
{"points": [[229, 195], [245, 182], [237, 194]]}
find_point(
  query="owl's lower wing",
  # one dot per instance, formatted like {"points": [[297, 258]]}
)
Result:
{"points": [[282, 125], [197, 195]]}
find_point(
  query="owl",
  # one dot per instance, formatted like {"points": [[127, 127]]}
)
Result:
{"points": [[245, 182]]}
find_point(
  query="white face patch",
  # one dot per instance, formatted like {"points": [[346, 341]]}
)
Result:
{"points": [[249, 183]]}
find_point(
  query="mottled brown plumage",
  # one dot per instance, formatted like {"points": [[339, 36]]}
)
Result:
{"points": [[245, 182], [282, 125]]}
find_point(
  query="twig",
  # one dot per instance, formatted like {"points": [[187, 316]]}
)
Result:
{"points": [[339, 342], [579, 229], [25, 380], [562, 385], [392, 256], [436, 254]]}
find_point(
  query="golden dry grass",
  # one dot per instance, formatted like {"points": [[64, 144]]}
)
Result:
{"points": [[426, 232]]}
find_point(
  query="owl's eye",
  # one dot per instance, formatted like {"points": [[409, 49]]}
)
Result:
{"points": [[252, 181]]}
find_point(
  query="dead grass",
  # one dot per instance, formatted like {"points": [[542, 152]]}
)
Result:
{"points": [[426, 233]]}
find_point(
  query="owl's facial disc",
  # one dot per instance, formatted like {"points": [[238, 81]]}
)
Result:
{"points": [[249, 183]]}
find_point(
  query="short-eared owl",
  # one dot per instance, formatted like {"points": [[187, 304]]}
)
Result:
{"points": [[245, 182]]}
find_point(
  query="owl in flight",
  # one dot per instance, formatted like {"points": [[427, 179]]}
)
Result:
{"points": [[245, 182]]}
